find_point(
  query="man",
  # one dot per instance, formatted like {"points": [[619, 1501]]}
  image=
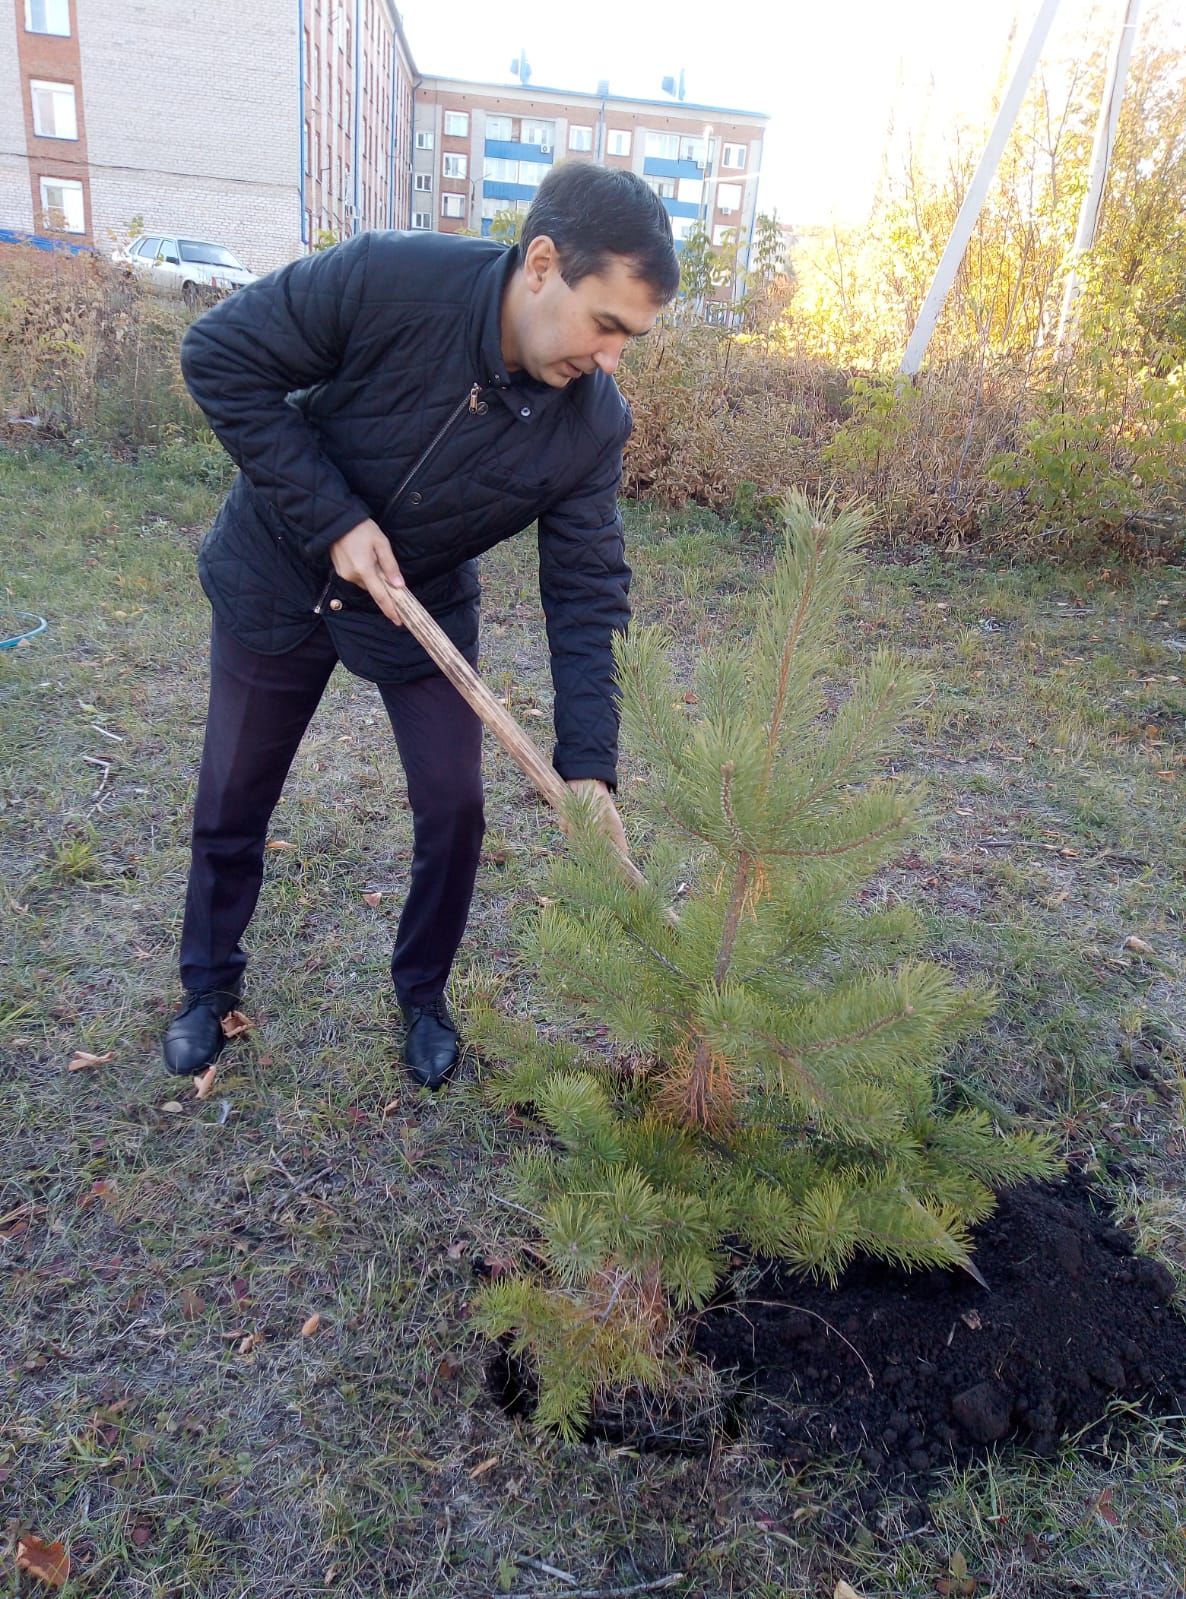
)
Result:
{"points": [[397, 405]]}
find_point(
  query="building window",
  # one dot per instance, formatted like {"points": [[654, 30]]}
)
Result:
{"points": [[533, 172], [579, 138], [422, 219], [62, 207], [54, 116], [723, 233], [424, 140], [48, 16], [619, 141], [733, 155], [454, 166], [424, 182], [728, 198], [663, 145], [682, 226], [663, 187], [457, 124], [540, 133], [452, 205], [692, 150], [689, 190], [498, 128]]}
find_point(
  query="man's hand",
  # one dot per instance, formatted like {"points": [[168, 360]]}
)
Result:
{"points": [[609, 820], [364, 556]]}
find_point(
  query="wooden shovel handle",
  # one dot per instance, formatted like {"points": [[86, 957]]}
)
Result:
{"points": [[518, 745]]}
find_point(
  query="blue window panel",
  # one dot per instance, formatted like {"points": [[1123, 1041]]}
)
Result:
{"points": [[682, 208], [655, 167], [487, 225], [508, 191], [508, 150]]}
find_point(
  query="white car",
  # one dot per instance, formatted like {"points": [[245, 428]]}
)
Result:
{"points": [[192, 268]]}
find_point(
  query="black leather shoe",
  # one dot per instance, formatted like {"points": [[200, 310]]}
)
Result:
{"points": [[194, 1038], [430, 1043]]}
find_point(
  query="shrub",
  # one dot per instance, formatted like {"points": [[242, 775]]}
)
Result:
{"points": [[85, 350]]}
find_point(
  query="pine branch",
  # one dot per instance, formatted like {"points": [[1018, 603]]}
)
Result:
{"points": [[794, 633]]}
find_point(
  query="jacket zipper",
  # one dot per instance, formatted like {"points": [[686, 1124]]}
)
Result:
{"points": [[470, 402]]}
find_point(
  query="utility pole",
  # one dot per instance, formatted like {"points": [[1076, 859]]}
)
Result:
{"points": [[1101, 155], [977, 191]]}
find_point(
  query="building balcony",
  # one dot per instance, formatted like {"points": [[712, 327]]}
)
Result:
{"points": [[492, 189], [681, 208], [655, 166], [509, 150]]}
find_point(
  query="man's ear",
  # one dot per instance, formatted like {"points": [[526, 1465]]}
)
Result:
{"points": [[538, 260]]}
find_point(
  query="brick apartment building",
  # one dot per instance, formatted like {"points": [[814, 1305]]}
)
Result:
{"points": [[269, 129], [160, 110], [482, 149]]}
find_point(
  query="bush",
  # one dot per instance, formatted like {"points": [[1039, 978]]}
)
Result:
{"points": [[87, 351]]}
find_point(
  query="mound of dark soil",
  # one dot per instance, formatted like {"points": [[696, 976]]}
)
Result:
{"points": [[911, 1371]]}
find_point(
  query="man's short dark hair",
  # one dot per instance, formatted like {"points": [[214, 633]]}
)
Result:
{"points": [[591, 213]]}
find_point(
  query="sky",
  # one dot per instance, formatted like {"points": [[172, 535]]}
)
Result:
{"points": [[832, 75]]}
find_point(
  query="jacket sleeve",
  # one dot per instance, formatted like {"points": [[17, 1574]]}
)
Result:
{"points": [[246, 355], [584, 584]]}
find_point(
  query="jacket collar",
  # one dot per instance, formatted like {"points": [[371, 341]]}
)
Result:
{"points": [[522, 394], [485, 319]]}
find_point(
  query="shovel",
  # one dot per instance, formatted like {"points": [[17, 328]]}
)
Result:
{"points": [[518, 745]]}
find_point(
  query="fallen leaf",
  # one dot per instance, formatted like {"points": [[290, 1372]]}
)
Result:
{"points": [[48, 1562], [844, 1590], [691, 698], [100, 1189], [251, 1343], [141, 1534], [234, 1023], [372, 898], [498, 1265], [484, 1466], [204, 1081], [389, 1109], [171, 1107], [971, 1319], [279, 843], [1138, 945], [82, 1060], [457, 1249], [448, 1369], [311, 1325], [192, 1305], [1103, 1504]]}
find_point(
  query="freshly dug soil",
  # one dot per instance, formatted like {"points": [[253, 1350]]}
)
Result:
{"points": [[911, 1371]]}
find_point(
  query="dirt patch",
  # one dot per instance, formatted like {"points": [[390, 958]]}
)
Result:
{"points": [[912, 1371]]}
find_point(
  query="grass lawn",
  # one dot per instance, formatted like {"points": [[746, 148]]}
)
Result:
{"points": [[165, 1409]]}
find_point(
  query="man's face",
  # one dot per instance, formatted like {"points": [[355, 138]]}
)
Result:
{"points": [[565, 332]]}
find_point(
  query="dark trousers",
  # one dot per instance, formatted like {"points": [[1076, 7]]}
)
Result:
{"points": [[260, 706]]}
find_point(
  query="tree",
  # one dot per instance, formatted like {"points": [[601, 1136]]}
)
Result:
{"points": [[506, 226], [700, 269], [776, 1083]]}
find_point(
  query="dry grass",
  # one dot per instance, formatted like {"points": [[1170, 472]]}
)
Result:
{"points": [[142, 1245], [86, 351]]}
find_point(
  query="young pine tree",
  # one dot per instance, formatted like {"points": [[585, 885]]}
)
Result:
{"points": [[776, 1084]]}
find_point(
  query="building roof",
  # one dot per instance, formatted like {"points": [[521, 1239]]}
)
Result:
{"points": [[666, 106]]}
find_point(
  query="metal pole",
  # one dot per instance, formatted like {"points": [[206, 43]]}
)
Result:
{"points": [[977, 190], [1101, 155]]}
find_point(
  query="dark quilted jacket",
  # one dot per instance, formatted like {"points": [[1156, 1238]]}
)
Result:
{"points": [[327, 382]]}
